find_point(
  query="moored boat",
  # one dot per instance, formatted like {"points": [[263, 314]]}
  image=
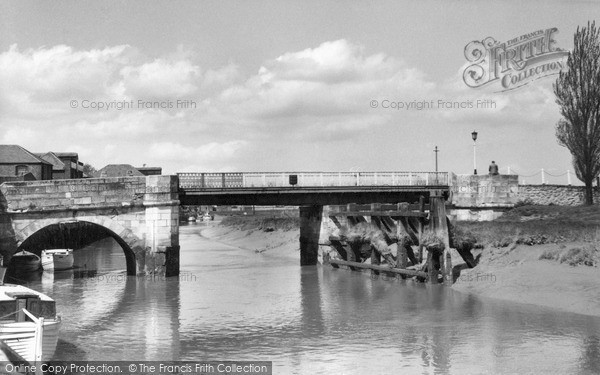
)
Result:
{"points": [[28, 322], [25, 261], [57, 259]]}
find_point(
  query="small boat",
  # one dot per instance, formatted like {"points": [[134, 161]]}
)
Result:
{"points": [[28, 323], [57, 259], [25, 261]]}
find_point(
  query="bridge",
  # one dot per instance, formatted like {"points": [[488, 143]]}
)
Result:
{"points": [[307, 188], [142, 213]]}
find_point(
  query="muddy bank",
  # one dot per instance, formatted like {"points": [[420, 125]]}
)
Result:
{"points": [[518, 274], [276, 243]]}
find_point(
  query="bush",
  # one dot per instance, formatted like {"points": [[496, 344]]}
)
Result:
{"points": [[536, 239], [550, 254], [524, 202], [578, 256], [461, 239]]}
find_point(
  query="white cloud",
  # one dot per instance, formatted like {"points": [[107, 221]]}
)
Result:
{"points": [[306, 103], [161, 79]]}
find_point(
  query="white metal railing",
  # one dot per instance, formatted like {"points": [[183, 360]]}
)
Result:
{"points": [[309, 179]]}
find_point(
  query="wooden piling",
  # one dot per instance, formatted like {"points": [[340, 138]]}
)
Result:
{"points": [[432, 272], [402, 257], [375, 260], [448, 276], [439, 225], [411, 273], [421, 226]]}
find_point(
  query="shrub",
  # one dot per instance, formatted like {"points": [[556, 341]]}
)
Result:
{"points": [[550, 254], [461, 239], [581, 256], [523, 202]]}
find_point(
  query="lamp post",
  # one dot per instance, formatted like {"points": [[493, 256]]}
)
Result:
{"points": [[436, 160], [474, 136]]}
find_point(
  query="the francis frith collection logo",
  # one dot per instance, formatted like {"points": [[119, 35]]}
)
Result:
{"points": [[514, 63]]}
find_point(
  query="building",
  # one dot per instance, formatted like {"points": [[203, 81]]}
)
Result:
{"points": [[58, 167], [118, 170], [73, 167], [150, 171], [65, 165], [17, 161]]}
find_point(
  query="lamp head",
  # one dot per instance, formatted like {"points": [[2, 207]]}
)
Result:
{"points": [[474, 135]]}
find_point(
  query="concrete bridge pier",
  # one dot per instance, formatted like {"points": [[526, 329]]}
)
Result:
{"points": [[310, 231]]}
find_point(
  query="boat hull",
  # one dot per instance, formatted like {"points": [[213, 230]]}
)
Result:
{"points": [[56, 261], [26, 263], [20, 337]]}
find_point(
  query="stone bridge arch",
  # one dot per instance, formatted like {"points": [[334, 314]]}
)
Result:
{"points": [[132, 245], [140, 213]]}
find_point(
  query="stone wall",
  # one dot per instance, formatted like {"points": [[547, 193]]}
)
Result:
{"points": [[484, 190], [561, 195], [64, 194]]}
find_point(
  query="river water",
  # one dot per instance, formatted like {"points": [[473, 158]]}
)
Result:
{"points": [[233, 304]]}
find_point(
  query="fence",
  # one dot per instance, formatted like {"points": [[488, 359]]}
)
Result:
{"points": [[545, 177], [309, 179]]}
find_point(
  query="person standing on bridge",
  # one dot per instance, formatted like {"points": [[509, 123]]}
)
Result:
{"points": [[493, 169]]}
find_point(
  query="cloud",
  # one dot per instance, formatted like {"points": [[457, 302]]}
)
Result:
{"points": [[161, 79], [208, 157], [41, 75], [329, 86], [298, 108]]}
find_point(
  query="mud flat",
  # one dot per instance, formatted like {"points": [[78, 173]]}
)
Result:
{"points": [[518, 274], [276, 243]]}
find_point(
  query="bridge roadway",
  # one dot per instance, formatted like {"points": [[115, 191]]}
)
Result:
{"points": [[305, 189]]}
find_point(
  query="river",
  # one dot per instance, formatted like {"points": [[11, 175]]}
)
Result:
{"points": [[234, 304]]}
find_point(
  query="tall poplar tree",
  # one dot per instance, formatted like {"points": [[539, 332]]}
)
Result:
{"points": [[577, 93]]}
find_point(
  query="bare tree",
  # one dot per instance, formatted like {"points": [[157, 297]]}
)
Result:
{"points": [[578, 95]]}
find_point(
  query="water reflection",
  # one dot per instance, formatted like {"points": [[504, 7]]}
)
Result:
{"points": [[238, 305]]}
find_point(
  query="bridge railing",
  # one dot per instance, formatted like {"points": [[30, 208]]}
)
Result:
{"points": [[309, 179]]}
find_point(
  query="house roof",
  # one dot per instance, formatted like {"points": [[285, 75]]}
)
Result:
{"points": [[118, 170], [149, 168], [66, 154], [15, 154], [50, 157]]}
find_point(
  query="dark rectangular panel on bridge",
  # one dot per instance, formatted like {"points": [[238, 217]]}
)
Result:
{"points": [[305, 196]]}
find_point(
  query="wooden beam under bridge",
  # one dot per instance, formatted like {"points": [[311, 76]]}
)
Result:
{"points": [[399, 271]]}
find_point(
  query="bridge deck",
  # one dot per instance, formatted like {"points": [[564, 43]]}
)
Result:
{"points": [[314, 188], [199, 181]]}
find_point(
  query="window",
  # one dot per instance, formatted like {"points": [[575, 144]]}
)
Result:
{"points": [[20, 170]]}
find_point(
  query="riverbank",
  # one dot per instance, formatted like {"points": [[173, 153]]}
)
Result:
{"points": [[281, 243], [519, 274], [534, 255], [542, 255]]}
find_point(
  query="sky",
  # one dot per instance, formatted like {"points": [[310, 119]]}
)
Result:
{"points": [[213, 86]]}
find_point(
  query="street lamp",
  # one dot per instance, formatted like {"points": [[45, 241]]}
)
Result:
{"points": [[436, 160], [474, 136]]}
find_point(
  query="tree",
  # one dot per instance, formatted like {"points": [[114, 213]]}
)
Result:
{"points": [[89, 170], [578, 95]]}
